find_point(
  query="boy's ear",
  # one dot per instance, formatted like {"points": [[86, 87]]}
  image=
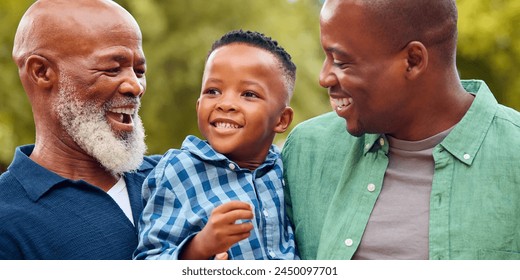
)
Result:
{"points": [[197, 105], [39, 70], [285, 120], [416, 59]]}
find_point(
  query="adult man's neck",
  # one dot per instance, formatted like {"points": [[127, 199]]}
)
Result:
{"points": [[441, 105], [73, 163]]}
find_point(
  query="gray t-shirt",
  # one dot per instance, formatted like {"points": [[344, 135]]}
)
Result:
{"points": [[398, 225]]}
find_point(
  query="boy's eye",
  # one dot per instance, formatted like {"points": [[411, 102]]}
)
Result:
{"points": [[212, 91], [250, 94]]}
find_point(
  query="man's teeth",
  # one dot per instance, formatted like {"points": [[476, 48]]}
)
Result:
{"points": [[225, 125], [128, 111], [341, 102]]}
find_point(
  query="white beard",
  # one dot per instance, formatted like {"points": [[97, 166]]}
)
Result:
{"points": [[86, 123]]}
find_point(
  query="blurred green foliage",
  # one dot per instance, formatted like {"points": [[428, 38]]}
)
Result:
{"points": [[489, 46], [177, 35]]}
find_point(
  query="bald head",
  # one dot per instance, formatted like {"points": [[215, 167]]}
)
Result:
{"points": [[397, 22], [61, 27]]}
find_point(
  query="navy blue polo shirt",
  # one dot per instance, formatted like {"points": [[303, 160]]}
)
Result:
{"points": [[46, 216]]}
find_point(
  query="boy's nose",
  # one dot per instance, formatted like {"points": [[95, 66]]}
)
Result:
{"points": [[227, 103]]}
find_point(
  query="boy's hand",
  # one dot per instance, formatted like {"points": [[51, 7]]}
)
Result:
{"points": [[221, 256], [221, 231]]}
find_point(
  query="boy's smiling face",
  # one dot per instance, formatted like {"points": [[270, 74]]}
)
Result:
{"points": [[243, 103]]}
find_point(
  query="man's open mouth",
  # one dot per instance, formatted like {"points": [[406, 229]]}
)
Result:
{"points": [[122, 115], [341, 103]]}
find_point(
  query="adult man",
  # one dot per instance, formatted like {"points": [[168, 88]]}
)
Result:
{"points": [[75, 193], [428, 166]]}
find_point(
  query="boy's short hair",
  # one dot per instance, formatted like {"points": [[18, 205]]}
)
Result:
{"points": [[261, 41]]}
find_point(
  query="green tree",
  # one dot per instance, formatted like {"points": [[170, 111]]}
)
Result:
{"points": [[16, 122], [489, 46]]}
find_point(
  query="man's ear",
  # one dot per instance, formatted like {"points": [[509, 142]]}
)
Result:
{"points": [[417, 59], [285, 120], [39, 70]]}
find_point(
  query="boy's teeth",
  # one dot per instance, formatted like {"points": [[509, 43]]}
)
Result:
{"points": [[225, 125]]}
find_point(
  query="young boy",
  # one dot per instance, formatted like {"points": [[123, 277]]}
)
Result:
{"points": [[225, 195]]}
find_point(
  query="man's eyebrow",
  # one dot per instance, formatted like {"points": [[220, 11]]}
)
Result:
{"points": [[338, 52], [119, 58], [141, 61], [122, 58]]}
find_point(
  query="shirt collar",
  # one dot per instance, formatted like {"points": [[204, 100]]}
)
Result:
{"points": [[373, 142], [35, 179], [464, 141], [467, 136], [205, 152]]}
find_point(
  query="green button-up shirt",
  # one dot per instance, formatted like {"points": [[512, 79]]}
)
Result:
{"points": [[475, 197]]}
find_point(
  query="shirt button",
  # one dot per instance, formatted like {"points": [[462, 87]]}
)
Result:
{"points": [[271, 253], [348, 242], [371, 187], [381, 142], [367, 146], [467, 156], [266, 214], [231, 166]]}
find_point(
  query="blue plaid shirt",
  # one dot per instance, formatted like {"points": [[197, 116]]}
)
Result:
{"points": [[188, 184]]}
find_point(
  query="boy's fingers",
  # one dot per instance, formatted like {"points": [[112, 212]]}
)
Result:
{"points": [[232, 205], [235, 215], [221, 256], [232, 211], [239, 228], [232, 239]]}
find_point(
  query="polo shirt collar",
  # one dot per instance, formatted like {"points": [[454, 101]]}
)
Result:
{"points": [[35, 179]]}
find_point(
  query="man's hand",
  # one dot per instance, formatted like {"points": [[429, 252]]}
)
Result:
{"points": [[221, 231]]}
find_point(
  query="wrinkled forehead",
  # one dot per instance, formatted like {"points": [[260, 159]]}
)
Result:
{"points": [[90, 21], [53, 14], [66, 26]]}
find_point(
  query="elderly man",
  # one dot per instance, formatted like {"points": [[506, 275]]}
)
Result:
{"points": [[75, 193], [414, 163]]}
